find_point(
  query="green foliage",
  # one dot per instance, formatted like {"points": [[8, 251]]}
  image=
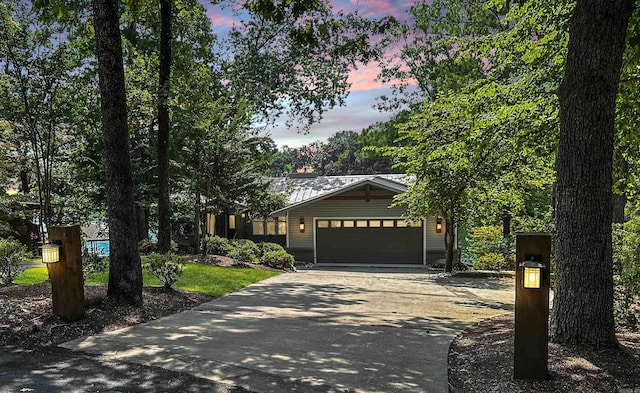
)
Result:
{"points": [[93, 264], [13, 218], [488, 250], [244, 250], [626, 276], [266, 247], [146, 246], [12, 254], [217, 245], [277, 260], [481, 240], [294, 57], [165, 267]]}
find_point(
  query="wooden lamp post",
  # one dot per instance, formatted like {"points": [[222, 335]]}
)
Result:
{"points": [[531, 346], [63, 257]]}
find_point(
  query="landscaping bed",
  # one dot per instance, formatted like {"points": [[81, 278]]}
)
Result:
{"points": [[26, 318], [481, 361]]}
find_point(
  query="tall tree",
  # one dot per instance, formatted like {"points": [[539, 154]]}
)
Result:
{"points": [[125, 269], [583, 302], [164, 127]]}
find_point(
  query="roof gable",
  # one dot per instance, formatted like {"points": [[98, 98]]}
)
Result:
{"points": [[309, 191]]}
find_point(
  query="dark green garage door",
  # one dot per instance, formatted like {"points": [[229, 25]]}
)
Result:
{"points": [[368, 241]]}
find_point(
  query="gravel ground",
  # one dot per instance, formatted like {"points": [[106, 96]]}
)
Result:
{"points": [[481, 361]]}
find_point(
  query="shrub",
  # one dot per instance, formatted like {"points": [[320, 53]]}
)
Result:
{"points": [[217, 245], [626, 273], [277, 260], [493, 261], [146, 246], [488, 250], [244, 251], [92, 263], [12, 254], [266, 247], [165, 267]]}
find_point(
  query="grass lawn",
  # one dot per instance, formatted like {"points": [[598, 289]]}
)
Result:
{"points": [[206, 279]]}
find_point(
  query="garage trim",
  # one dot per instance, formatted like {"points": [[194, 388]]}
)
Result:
{"points": [[315, 232]]}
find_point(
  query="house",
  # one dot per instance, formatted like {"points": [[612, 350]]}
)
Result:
{"points": [[346, 219]]}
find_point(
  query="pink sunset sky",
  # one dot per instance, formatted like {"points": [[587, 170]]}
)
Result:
{"points": [[358, 112]]}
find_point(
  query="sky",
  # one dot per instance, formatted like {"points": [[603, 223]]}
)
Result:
{"points": [[358, 111]]}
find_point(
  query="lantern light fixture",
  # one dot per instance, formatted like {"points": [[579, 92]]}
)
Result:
{"points": [[532, 274], [439, 225], [51, 252], [301, 225]]}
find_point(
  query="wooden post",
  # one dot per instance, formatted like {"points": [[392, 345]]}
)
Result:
{"points": [[531, 346], [67, 281]]}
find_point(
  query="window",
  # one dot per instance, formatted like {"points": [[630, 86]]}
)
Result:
{"points": [[347, 223], [258, 227], [271, 226], [232, 222], [361, 223], [416, 224], [211, 224], [336, 224], [388, 223], [282, 225], [323, 224], [401, 223], [374, 223]]}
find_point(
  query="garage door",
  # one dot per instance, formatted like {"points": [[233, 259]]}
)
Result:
{"points": [[368, 241]]}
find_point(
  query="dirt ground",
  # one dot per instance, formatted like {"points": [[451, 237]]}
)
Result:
{"points": [[481, 361]]}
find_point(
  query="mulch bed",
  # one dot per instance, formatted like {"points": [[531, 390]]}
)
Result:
{"points": [[481, 360], [26, 318]]}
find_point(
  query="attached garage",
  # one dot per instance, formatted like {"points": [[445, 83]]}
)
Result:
{"points": [[369, 241], [352, 220]]}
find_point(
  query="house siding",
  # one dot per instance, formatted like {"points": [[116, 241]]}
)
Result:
{"points": [[435, 240]]}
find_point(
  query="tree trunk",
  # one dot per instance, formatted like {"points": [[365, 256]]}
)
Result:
{"points": [[141, 222], [449, 241], [125, 270], [583, 303], [506, 224], [164, 208], [24, 181], [196, 223]]}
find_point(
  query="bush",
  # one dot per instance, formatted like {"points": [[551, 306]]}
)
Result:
{"points": [[165, 267], [146, 246], [277, 260], [12, 254], [488, 250], [92, 263], [626, 273], [217, 245], [266, 247], [493, 261], [244, 251]]}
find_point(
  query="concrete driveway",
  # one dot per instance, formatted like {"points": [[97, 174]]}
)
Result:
{"points": [[380, 330]]}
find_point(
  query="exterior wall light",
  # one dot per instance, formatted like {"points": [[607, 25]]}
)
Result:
{"points": [[439, 225], [301, 225], [532, 274], [50, 253]]}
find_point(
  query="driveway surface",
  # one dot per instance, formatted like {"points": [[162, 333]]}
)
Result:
{"points": [[374, 330]]}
